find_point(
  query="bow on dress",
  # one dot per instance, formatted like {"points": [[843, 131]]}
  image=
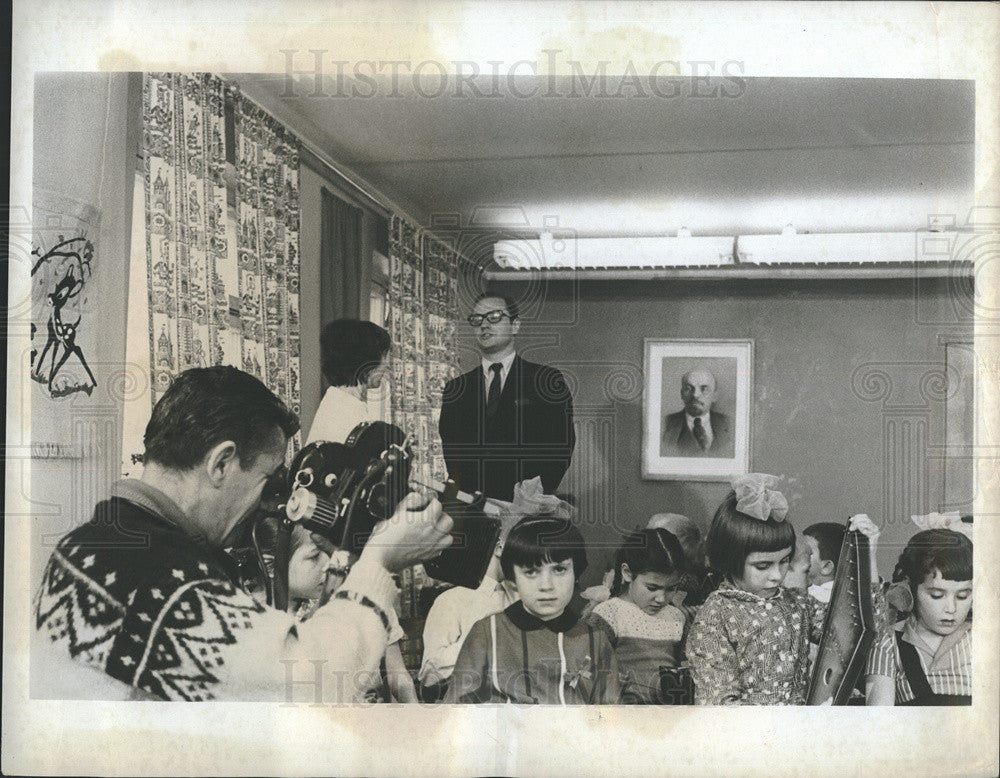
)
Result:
{"points": [[583, 671]]}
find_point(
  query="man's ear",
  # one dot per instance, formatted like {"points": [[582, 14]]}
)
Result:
{"points": [[626, 573], [220, 461], [515, 326], [827, 567]]}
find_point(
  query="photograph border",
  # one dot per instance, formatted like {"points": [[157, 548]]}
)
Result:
{"points": [[905, 40]]}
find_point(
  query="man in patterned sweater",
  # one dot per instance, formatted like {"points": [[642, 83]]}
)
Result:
{"points": [[144, 593]]}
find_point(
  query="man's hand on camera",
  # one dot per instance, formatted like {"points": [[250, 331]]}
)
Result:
{"points": [[416, 532]]}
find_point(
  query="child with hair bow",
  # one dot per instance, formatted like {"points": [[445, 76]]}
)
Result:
{"points": [[749, 644], [926, 659]]}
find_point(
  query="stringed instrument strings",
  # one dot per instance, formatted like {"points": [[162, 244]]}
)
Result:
{"points": [[849, 630]]}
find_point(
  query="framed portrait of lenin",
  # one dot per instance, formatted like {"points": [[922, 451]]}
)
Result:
{"points": [[697, 397]]}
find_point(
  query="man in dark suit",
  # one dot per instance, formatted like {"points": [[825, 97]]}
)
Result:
{"points": [[508, 419], [697, 431]]}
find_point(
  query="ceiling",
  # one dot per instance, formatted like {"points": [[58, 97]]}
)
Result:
{"points": [[649, 157]]}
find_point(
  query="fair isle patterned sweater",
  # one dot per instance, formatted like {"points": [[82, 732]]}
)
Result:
{"points": [[135, 594], [642, 643]]}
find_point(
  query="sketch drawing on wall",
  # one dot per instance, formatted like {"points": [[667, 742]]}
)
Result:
{"points": [[60, 274]]}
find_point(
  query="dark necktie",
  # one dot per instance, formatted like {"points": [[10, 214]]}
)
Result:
{"points": [[493, 395], [700, 434]]}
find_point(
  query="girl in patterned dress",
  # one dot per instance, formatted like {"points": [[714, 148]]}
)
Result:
{"points": [[643, 622], [749, 644]]}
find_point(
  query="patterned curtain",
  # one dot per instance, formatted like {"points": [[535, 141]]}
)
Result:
{"points": [[267, 201], [441, 312], [186, 242], [221, 258], [421, 311]]}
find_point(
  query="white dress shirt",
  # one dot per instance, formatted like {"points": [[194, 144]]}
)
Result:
{"points": [[821, 592]]}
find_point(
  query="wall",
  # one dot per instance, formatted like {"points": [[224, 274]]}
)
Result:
{"points": [[310, 205], [835, 446], [810, 337], [85, 140], [86, 137]]}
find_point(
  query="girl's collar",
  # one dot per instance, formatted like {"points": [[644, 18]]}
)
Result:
{"points": [[912, 634], [528, 622], [728, 588]]}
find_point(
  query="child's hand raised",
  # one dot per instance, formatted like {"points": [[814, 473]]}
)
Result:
{"points": [[866, 527], [800, 562]]}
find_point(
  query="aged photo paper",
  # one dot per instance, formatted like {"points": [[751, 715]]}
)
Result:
{"points": [[60, 323]]}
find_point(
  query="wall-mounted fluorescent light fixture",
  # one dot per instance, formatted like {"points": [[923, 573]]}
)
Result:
{"points": [[550, 252], [791, 248]]}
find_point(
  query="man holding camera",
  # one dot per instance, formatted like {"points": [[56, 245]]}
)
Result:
{"points": [[144, 592]]}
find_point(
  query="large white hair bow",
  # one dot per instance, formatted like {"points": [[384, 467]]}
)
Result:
{"points": [[756, 497], [952, 521]]}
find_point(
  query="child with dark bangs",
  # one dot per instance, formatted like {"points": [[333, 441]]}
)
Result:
{"points": [[643, 622], [927, 658], [538, 650], [749, 644]]}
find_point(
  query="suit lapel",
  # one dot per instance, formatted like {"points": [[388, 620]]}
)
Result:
{"points": [[477, 403], [473, 393], [479, 385], [685, 434]]}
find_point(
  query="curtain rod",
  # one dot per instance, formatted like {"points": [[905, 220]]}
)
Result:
{"points": [[389, 209], [386, 208]]}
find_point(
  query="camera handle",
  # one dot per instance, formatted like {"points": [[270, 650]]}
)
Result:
{"points": [[282, 557]]}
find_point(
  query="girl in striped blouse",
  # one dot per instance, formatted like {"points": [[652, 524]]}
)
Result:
{"points": [[927, 658]]}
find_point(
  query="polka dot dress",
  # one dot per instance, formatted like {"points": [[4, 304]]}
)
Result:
{"points": [[745, 649]]}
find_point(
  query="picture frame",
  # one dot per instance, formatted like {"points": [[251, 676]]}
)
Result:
{"points": [[960, 413], [716, 377]]}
